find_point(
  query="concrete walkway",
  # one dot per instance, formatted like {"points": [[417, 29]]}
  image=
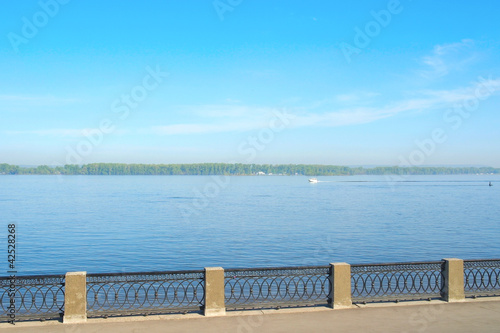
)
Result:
{"points": [[477, 316]]}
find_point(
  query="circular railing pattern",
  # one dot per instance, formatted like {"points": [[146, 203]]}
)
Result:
{"points": [[42, 297], [36, 297], [482, 277], [144, 293], [397, 282], [276, 287]]}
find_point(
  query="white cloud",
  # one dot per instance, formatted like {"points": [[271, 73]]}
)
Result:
{"points": [[356, 97], [446, 58], [237, 118], [60, 132], [228, 111], [237, 126], [50, 132], [26, 103], [30, 100], [251, 118], [219, 118], [426, 101]]}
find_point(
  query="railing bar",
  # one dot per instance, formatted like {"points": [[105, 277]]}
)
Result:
{"points": [[147, 273], [480, 260], [274, 268], [399, 263], [34, 277]]}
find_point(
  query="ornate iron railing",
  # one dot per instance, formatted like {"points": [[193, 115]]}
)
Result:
{"points": [[396, 281], [120, 294], [123, 294], [36, 297], [482, 277], [276, 287]]}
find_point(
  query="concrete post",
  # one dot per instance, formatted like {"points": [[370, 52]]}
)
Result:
{"points": [[214, 292], [340, 279], [75, 298], [453, 274]]}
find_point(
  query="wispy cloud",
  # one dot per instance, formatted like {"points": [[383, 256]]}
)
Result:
{"points": [[327, 113], [446, 58], [60, 132], [203, 128], [218, 119], [356, 97], [423, 101], [32, 100], [23, 98], [227, 111], [358, 107], [320, 115], [50, 132]]}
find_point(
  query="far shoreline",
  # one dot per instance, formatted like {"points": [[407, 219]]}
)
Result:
{"points": [[239, 169]]}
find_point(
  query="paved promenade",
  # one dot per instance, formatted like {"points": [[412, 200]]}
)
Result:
{"points": [[477, 316]]}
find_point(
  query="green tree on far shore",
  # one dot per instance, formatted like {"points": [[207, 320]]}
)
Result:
{"points": [[236, 169]]}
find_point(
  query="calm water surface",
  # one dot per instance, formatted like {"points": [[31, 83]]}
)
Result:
{"points": [[152, 223]]}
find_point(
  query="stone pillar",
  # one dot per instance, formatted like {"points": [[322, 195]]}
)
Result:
{"points": [[214, 292], [340, 279], [453, 275], [75, 298]]}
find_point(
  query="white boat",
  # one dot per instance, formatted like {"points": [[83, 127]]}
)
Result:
{"points": [[313, 180]]}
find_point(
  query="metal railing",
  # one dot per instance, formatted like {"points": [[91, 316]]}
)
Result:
{"points": [[396, 281], [482, 277], [122, 294], [144, 293], [35, 298], [276, 287]]}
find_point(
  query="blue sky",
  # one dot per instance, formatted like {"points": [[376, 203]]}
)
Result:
{"points": [[330, 82]]}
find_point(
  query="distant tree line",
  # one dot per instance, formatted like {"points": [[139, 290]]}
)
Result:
{"points": [[235, 169]]}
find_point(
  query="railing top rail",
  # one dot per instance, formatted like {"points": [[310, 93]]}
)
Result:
{"points": [[481, 260], [145, 273], [19, 277], [239, 269], [399, 263], [62, 276], [274, 268]]}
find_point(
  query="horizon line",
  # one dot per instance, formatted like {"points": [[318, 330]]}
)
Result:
{"points": [[272, 164]]}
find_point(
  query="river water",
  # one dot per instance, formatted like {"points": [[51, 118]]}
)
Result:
{"points": [[104, 224]]}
